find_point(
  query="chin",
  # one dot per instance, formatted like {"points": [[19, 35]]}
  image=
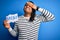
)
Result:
{"points": [[27, 11]]}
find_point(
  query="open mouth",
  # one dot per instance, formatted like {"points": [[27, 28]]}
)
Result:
{"points": [[28, 8]]}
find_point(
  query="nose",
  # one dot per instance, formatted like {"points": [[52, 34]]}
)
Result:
{"points": [[27, 6]]}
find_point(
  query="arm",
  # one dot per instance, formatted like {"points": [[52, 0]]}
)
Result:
{"points": [[14, 31], [45, 15]]}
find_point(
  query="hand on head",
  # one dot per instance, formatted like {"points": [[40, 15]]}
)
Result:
{"points": [[32, 5]]}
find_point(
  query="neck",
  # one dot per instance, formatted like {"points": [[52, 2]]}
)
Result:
{"points": [[27, 15]]}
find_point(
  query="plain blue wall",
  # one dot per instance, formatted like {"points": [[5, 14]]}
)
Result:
{"points": [[47, 31]]}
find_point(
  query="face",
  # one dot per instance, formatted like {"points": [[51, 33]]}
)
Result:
{"points": [[27, 9]]}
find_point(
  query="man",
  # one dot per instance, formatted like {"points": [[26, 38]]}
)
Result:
{"points": [[27, 25]]}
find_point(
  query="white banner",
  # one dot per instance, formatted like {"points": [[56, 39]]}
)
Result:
{"points": [[12, 18]]}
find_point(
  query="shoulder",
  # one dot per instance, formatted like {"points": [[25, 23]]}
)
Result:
{"points": [[37, 16], [19, 18]]}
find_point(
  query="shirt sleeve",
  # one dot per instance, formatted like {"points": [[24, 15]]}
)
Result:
{"points": [[45, 15], [10, 29], [14, 31]]}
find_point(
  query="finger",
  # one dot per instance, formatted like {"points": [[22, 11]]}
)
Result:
{"points": [[5, 22], [30, 4]]}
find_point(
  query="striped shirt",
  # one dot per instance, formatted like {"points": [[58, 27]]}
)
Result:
{"points": [[29, 30]]}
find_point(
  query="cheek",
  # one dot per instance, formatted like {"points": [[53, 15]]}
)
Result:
{"points": [[31, 10], [25, 7]]}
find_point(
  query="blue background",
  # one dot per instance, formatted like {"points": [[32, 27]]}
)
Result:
{"points": [[48, 30]]}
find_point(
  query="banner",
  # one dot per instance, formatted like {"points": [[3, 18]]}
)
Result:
{"points": [[12, 18]]}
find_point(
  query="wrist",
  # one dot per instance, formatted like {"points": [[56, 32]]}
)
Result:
{"points": [[10, 29], [37, 8]]}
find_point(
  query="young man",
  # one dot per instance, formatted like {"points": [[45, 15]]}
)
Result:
{"points": [[27, 25]]}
